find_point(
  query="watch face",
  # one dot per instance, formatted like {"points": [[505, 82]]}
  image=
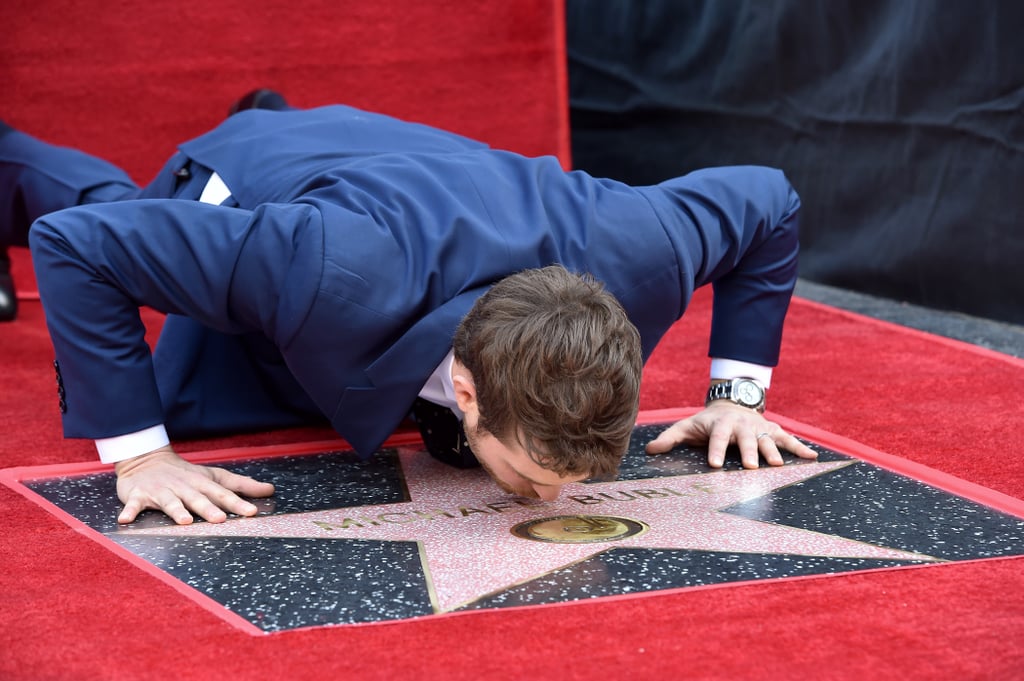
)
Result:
{"points": [[748, 393]]}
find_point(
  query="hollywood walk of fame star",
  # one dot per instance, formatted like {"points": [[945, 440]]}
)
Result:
{"points": [[464, 525]]}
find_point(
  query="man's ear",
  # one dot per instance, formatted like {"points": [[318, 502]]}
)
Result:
{"points": [[465, 388]]}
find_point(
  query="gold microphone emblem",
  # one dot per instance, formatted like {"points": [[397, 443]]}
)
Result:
{"points": [[579, 529]]}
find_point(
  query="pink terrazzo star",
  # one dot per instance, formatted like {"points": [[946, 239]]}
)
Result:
{"points": [[463, 523]]}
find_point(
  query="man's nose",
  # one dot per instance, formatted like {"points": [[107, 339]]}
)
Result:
{"points": [[547, 492]]}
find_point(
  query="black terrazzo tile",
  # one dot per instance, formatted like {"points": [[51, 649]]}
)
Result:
{"points": [[279, 583], [623, 571], [870, 504]]}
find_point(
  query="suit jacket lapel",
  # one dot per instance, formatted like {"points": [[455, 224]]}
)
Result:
{"points": [[366, 416]]}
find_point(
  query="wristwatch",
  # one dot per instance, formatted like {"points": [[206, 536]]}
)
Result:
{"points": [[745, 392]]}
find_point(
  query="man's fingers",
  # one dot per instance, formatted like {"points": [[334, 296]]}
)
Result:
{"points": [[793, 445], [769, 450], [165, 501], [720, 427], [217, 497], [748, 444], [205, 498], [130, 512], [180, 505], [204, 507], [718, 443], [164, 481], [676, 434], [176, 510], [168, 501], [241, 484], [227, 483], [662, 443]]}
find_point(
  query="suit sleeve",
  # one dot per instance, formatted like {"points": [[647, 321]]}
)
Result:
{"points": [[97, 265], [751, 301], [739, 228]]}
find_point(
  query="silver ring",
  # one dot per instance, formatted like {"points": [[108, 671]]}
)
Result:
{"points": [[761, 435]]}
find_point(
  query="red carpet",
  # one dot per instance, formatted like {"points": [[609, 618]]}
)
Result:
{"points": [[127, 85], [80, 612]]}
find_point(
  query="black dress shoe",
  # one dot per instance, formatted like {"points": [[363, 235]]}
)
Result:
{"points": [[259, 99], [8, 300]]}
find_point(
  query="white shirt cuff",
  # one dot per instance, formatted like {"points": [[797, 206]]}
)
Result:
{"points": [[130, 445], [731, 368]]}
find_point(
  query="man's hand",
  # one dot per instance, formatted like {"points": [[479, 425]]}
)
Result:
{"points": [[164, 481], [724, 423]]}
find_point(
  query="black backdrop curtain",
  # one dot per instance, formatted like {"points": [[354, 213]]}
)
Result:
{"points": [[900, 122]]}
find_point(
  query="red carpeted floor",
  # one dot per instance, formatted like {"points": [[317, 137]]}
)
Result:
{"points": [[75, 611], [129, 81]]}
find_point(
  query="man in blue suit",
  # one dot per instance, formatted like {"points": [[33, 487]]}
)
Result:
{"points": [[342, 264]]}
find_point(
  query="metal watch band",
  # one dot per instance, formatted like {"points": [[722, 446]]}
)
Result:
{"points": [[726, 390]]}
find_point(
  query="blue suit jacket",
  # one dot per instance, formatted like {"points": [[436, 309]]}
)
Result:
{"points": [[356, 244]]}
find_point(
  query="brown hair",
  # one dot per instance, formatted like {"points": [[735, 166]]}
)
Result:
{"points": [[556, 364]]}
